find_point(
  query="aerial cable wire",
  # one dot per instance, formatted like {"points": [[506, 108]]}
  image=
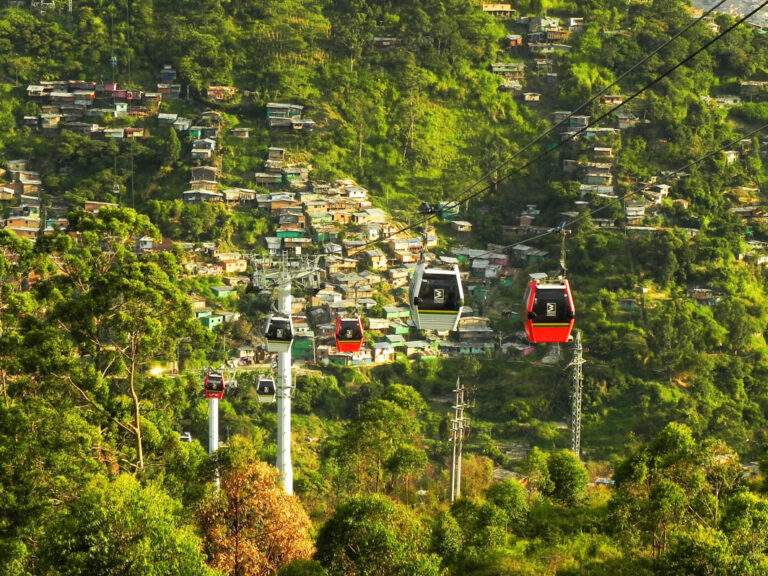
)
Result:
{"points": [[642, 188], [597, 95], [577, 133], [615, 108]]}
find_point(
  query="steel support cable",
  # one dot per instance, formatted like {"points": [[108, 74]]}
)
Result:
{"points": [[567, 224], [597, 95], [577, 133]]}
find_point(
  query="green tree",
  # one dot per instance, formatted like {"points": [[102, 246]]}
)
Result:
{"points": [[384, 426], [512, 497], [373, 536], [447, 538], [701, 553], [173, 147], [120, 527], [124, 311], [670, 486], [745, 523], [569, 477]]}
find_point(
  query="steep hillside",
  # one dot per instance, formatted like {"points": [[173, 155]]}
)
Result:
{"points": [[154, 154]]}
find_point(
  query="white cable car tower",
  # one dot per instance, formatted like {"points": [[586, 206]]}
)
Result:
{"points": [[279, 275]]}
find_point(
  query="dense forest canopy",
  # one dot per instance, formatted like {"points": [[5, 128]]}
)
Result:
{"points": [[94, 475]]}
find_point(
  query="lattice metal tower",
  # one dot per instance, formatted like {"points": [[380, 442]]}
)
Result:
{"points": [[576, 392], [459, 425]]}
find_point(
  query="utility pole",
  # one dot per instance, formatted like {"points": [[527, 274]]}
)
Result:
{"points": [[280, 276], [458, 426], [576, 391]]}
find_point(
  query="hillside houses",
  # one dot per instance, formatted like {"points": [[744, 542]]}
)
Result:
{"points": [[20, 192], [67, 104], [204, 186], [79, 106], [203, 149], [500, 11], [353, 272], [288, 117]]}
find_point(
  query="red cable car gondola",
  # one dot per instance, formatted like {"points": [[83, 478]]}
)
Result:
{"points": [[349, 334], [548, 311], [214, 384]]}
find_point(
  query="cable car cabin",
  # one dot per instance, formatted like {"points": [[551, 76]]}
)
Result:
{"points": [[279, 333], [548, 312], [349, 334], [265, 390], [436, 298], [214, 385]]}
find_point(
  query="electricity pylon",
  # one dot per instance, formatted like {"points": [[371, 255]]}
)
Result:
{"points": [[576, 391], [458, 427]]}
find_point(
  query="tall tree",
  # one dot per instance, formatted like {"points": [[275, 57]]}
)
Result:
{"points": [[174, 147], [252, 527], [123, 311], [373, 536], [120, 527]]}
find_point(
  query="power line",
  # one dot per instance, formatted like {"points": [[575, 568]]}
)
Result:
{"points": [[641, 188], [597, 95], [577, 133], [626, 101]]}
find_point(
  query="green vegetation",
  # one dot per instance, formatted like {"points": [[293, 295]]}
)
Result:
{"points": [[94, 478]]}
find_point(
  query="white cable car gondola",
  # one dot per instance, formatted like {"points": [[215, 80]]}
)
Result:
{"points": [[279, 333], [436, 298], [265, 390]]}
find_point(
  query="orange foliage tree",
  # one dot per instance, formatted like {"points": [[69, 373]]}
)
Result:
{"points": [[252, 527]]}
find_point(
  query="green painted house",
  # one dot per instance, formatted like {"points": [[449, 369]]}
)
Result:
{"points": [[399, 328], [326, 236], [304, 348], [212, 321], [223, 291], [290, 234], [392, 312], [396, 340]]}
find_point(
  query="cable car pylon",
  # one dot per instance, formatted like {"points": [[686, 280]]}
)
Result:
{"points": [[284, 386], [280, 275], [214, 388]]}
